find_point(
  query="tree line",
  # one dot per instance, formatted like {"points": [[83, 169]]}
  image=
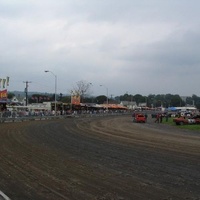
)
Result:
{"points": [[152, 100], [82, 88], [165, 100]]}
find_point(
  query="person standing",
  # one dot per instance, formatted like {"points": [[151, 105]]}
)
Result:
{"points": [[166, 117], [161, 117], [157, 118], [146, 116]]}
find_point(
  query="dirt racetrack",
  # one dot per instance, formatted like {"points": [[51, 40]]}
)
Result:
{"points": [[99, 158]]}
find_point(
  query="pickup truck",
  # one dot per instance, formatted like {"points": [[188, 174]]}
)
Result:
{"points": [[187, 120]]}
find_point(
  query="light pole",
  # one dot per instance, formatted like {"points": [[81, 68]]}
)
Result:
{"points": [[90, 84], [55, 87], [106, 96]]}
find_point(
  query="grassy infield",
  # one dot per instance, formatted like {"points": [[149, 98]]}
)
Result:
{"points": [[195, 127]]}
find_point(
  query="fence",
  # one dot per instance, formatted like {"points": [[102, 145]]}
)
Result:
{"points": [[20, 116]]}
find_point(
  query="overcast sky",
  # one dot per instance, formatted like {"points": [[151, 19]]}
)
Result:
{"points": [[128, 46]]}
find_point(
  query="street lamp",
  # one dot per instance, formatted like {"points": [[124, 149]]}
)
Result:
{"points": [[106, 95], [55, 87]]}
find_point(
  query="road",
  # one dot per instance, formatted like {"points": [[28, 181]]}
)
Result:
{"points": [[99, 158]]}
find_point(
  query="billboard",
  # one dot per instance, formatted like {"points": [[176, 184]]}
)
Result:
{"points": [[4, 82], [75, 99], [3, 94]]}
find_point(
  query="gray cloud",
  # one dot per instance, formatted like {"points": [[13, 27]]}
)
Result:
{"points": [[146, 46]]}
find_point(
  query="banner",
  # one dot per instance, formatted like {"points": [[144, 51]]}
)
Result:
{"points": [[75, 100], [4, 82], [7, 80], [3, 94]]}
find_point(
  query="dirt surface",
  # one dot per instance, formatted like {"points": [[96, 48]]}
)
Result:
{"points": [[98, 158]]}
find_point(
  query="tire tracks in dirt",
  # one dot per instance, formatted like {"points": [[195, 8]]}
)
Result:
{"points": [[98, 158]]}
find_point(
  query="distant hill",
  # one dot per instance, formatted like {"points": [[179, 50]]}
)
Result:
{"points": [[22, 94]]}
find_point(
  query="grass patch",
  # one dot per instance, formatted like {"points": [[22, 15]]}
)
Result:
{"points": [[194, 127], [169, 122]]}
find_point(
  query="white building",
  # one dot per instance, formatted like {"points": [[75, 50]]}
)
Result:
{"points": [[129, 104]]}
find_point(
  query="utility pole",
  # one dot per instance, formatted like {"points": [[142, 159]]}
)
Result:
{"points": [[61, 95], [26, 91]]}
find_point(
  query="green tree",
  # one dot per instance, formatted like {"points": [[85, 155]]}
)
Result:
{"points": [[66, 99], [196, 100], [10, 95], [189, 101], [100, 99], [151, 100], [168, 98], [138, 98], [177, 101]]}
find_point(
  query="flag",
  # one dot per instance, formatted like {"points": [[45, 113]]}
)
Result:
{"points": [[7, 80], [4, 83]]}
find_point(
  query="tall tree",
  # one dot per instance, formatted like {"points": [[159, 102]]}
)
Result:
{"points": [[177, 101], [138, 98], [100, 99], [82, 88], [196, 101], [10, 95]]}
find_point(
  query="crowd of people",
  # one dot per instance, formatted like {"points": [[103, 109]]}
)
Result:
{"points": [[159, 118], [32, 113]]}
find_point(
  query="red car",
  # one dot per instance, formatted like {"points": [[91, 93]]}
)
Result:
{"points": [[140, 118], [185, 120]]}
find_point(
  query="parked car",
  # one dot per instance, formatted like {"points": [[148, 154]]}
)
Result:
{"points": [[187, 114], [184, 120], [139, 118]]}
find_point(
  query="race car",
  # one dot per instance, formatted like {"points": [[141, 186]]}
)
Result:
{"points": [[139, 118], [185, 120]]}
